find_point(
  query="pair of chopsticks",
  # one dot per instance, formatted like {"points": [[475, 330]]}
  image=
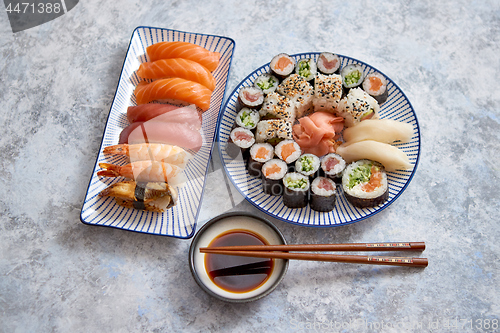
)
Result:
{"points": [[283, 252]]}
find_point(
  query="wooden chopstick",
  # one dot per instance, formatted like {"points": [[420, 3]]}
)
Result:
{"points": [[373, 260], [394, 246]]}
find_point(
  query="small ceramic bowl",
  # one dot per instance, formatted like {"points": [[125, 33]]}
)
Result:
{"points": [[224, 224]]}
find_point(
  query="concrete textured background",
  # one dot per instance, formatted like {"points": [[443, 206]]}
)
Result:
{"points": [[57, 84]]}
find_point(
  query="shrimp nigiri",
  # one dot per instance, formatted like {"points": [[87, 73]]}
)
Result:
{"points": [[151, 151], [177, 67], [165, 50], [141, 171]]}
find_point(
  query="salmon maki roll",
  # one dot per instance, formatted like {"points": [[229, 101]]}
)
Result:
{"points": [[167, 50], [176, 89], [177, 67]]}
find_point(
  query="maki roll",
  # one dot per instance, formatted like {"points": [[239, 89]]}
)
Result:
{"points": [[277, 106], [364, 183], [357, 106], [259, 154], [273, 131], [288, 151], [247, 118], [352, 76], [296, 190], [243, 138], [375, 84], [251, 97], [306, 68], [328, 63], [332, 166], [273, 172], [327, 92], [299, 92], [282, 65], [267, 82], [323, 194], [307, 164]]}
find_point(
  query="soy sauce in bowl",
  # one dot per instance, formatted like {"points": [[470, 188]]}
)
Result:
{"points": [[234, 278], [238, 274]]}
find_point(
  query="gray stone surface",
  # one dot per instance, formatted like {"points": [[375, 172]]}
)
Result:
{"points": [[57, 84]]}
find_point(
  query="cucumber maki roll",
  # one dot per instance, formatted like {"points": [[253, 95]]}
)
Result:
{"points": [[273, 172], [352, 76], [247, 118], [328, 63], [323, 194], [267, 82], [364, 183], [375, 84], [307, 164], [260, 153], [296, 190], [306, 68], [251, 97]]}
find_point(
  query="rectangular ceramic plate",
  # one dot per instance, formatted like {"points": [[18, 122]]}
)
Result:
{"points": [[179, 221]]}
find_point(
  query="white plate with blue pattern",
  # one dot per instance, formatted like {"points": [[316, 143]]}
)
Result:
{"points": [[179, 221], [396, 107]]}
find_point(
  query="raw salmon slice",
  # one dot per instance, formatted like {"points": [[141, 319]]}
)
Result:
{"points": [[166, 50], [177, 67], [173, 88]]}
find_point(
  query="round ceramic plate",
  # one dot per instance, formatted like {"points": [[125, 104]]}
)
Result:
{"points": [[396, 107]]}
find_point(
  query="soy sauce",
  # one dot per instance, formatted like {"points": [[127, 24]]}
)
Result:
{"points": [[238, 274]]}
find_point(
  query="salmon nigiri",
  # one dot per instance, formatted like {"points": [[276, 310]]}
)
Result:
{"points": [[166, 50], [173, 88], [177, 67]]}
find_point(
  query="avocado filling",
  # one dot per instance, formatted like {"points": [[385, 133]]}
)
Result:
{"points": [[361, 174]]}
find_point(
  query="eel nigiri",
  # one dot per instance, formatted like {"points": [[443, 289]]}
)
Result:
{"points": [[177, 67], [166, 50], [151, 196], [176, 89], [175, 134]]}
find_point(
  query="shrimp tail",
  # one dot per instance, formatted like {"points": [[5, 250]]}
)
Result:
{"points": [[121, 149], [111, 170]]}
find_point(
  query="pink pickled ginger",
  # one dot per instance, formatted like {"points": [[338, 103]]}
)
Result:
{"points": [[317, 133]]}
